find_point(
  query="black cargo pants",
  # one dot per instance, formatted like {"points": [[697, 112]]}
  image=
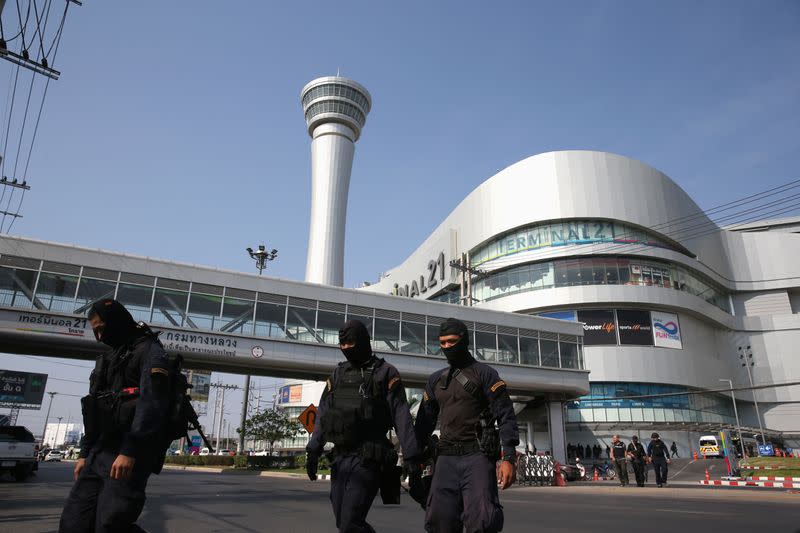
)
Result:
{"points": [[661, 469], [100, 504], [464, 495], [638, 471], [354, 486]]}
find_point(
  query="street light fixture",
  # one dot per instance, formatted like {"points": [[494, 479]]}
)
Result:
{"points": [[736, 413], [261, 256]]}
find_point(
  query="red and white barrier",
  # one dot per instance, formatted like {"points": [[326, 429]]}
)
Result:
{"points": [[766, 484], [773, 478]]}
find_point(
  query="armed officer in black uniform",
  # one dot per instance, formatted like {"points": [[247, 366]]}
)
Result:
{"points": [[362, 400], [124, 417], [467, 397]]}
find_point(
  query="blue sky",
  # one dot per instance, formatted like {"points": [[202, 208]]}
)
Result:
{"points": [[176, 130]]}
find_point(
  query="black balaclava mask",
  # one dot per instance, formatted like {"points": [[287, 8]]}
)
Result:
{"points": [[120, 327], [458, 354], [361, 352]]}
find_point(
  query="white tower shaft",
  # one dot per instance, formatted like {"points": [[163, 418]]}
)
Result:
{"points": [[332, 150]]}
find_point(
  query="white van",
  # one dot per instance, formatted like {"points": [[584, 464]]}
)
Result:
{"points": [[204, 451], [709, 446]]}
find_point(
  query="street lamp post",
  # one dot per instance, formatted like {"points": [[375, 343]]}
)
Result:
{"points": [[47, 416], [261, 257], [736, 414], [58, 430], [747, 362]]}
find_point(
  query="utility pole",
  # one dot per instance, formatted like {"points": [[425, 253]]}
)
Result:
{"points": [[58, 430], [261, 257], [747, 362], [221, 407], [736, 413], [467, 271], [47, 416]]}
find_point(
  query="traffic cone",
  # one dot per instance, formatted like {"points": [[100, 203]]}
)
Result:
{"points": [[708, 478], [596, 477], [695, 456]]}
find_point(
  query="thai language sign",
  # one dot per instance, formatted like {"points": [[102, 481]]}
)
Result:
{"points": [[22, 389]]}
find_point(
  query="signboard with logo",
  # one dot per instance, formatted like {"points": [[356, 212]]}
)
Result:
{"points": [[290, 394], [599, 327], [635, 327], [766, 450], [22, 389], [666, 330]]}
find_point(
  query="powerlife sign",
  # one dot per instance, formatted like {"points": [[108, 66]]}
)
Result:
{"points": [[22, 389], [666, 330]]}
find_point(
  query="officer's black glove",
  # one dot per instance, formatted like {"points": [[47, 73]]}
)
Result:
{"points": [[312, 465]]}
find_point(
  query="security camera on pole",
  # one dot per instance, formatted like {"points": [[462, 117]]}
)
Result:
{"points": [[261, 257]]}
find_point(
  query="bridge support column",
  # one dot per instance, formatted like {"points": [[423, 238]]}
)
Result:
{"points": [[555, 424]]}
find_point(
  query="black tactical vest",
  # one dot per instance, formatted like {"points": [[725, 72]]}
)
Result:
{"points": [[359, 412]]}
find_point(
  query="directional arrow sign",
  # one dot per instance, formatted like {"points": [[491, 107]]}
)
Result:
{"points": [[308, 418]]}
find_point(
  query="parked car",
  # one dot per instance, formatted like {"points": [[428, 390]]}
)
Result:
{"points": [[225, 452], [18, 452], [54, 455], [204, 451]]}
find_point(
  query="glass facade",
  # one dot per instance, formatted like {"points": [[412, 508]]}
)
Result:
{"points": [[594, 271], [706, 407], [335, 106], [565, 233], [25, 284], [336, 89]]}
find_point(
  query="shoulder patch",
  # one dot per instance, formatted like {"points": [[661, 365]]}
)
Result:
{"points": [[156, 370], [497, 385], [328, 383], [393, 381], [425, 396]]}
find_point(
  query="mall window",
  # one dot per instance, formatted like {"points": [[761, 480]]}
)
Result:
{"points": [[205, 306], [330, 319], [412, 334], [549, 351], [169, 307], [271, 316], [56, 292], [387, 332], [237, 312], [16, 286], [596, 271], [529, 351], [301, 320], [485, 344]]}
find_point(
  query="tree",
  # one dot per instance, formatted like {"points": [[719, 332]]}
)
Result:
{"points": [[271, 426]]}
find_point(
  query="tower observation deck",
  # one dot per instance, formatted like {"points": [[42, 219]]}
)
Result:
{"points": [[335, 110]]}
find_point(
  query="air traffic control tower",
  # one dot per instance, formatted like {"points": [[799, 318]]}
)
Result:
{"points": [[336, 109]]}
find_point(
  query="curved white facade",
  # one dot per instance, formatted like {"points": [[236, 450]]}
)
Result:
{"points": [[335, 110], [582, 230]]}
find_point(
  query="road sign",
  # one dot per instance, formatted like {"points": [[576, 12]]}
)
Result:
{"points": [[766, 450], [21, 389], [308, 418]]}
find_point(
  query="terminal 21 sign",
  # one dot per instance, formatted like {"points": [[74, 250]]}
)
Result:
{"points": [[428, 280]]}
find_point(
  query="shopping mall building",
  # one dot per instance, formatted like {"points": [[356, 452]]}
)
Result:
{"points": [[669, 300]]}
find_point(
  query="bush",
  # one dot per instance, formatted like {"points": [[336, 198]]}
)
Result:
{"points": [[200, 460], [324, 464]]}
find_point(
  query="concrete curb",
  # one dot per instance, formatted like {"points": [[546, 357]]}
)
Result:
{"points": [[292, 475], [759, 484], [773, 467], [211, 469], [773, 478]]}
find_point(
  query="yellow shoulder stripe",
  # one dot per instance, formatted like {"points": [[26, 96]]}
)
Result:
{"points": [[328, 381], [393, 381], [424, 396], [159, 371], [497, 385]]}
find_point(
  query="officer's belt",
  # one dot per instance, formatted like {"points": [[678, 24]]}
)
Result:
{"points": [[458, 448]]}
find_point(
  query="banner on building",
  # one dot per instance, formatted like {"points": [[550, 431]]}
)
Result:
{"points": [[635, 327], [201, 384], [24, 390], [666, 330], [599, 327], [290, 394]]}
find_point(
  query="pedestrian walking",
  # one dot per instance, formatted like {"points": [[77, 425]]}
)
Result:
{"points": [[363, 398], [637, 456], [674, 449], [124, 415], [658, 454], [618, 457], [467, 398]]}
